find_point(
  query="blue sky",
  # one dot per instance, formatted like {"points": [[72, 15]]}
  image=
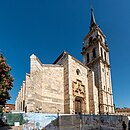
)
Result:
{"points": [[48, 27]]}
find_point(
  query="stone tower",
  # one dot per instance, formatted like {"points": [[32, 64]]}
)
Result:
{"points": [[96, 56]]}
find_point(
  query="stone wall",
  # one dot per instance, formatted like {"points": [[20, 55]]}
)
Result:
{"points": [[78, 74], [53, 88], [63, 60], [48, 88], [74, 122], [43, 89], [93, 94], [91, 122]]}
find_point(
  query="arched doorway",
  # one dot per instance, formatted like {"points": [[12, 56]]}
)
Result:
{"points": [[78, 109], [78, 105], [79, 102]]}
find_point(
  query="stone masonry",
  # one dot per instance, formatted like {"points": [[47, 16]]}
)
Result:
{"points": [[69, 86]]}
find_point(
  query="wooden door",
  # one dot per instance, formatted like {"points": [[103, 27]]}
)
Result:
{"points": [[78, 107]]}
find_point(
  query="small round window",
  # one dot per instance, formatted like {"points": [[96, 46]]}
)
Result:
{"points": [[78, 71]]}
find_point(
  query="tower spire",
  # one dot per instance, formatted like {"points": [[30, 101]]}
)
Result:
{"points": [[92, 22]]}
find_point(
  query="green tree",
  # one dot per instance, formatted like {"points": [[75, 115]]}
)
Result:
{"points": [[6, 82]]}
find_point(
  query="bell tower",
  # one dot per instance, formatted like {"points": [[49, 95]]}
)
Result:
{"points": [[95, 54]]}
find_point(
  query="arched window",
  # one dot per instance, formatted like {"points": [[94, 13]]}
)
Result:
{"points": [[78, 71], [101, 52], [23, 105], [87, 57], [105, 55], [94, 53]]}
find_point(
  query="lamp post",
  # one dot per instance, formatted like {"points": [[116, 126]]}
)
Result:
{"points": [[58, 111]]}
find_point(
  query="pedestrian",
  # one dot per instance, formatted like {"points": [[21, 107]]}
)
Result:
{"points": [[124, 126]]}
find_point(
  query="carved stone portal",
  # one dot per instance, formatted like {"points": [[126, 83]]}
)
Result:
{"points": [[79, 103], [78, 89]]}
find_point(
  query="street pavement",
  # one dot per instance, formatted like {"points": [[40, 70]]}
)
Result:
{"points": [[11, 128]]}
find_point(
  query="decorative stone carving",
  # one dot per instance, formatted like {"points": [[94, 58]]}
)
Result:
{"points": [[78, 89]]}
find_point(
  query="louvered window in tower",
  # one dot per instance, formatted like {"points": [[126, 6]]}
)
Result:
{"points": [[101, 53], [94, 53], [105, 55], [87, 57]]}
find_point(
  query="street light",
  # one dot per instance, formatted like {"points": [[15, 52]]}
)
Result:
{"points": [[58, 111]]}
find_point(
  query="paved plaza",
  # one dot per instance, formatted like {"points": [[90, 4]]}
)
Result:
{"points": [[11, 128]]}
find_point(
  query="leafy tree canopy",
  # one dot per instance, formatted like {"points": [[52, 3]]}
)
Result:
{"points": [[6, 80]]}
